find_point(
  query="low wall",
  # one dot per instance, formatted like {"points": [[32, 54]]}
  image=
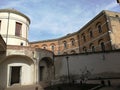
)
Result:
{"points": [[93, 65]]}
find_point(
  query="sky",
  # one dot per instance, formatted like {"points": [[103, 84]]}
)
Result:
{"points": [[51, 19]]}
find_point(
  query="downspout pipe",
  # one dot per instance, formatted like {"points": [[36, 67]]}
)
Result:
{"points": [[7, 28]]}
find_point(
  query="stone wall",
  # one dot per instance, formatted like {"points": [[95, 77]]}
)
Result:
{"points": [[97, 65]]}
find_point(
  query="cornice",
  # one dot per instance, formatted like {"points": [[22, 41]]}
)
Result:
{"points": [[104, 12], [16, 12]]}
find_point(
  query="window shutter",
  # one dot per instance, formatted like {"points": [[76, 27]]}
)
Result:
{"points": [[18, 29]]}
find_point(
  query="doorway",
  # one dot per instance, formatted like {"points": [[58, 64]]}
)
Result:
{"points": [[15, 74], [41, 72]]}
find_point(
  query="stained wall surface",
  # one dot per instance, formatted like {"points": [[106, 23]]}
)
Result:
{"points": [[106, 65]]}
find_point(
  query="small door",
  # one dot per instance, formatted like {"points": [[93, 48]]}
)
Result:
{"points": [[15, 75]]}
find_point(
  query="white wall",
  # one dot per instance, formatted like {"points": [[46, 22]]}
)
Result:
{"points": [[27, 70], [13, 18], [99, 64]]}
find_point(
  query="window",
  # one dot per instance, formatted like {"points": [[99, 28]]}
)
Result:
{"points": [[91, 34], [36, 46], [44, 46], [73, 42], [99, 27], [101, 44], [21, 43], [84, 49], [117, 15], [65, 53], [52, 48], [92, 48], [73, 52], [83, 37], [65, 44], [18, 29]]}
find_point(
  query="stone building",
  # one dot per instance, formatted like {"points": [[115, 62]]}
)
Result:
{"points": [[21, 64], [33, 64], [99, 34]]}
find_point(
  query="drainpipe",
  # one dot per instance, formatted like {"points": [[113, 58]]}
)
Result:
{"points": [[37, 71], [54, 65], [7, 27], [68, 70]]}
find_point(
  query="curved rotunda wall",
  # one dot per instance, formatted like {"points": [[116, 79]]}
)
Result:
{"points": [[14, 27], [26, 66]]}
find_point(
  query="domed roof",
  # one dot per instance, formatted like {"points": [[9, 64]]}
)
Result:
{"points": [[12, 10]]}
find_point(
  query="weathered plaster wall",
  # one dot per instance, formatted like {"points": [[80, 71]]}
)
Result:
{"points": [[8, 25], [27, 70], [99, 64]]}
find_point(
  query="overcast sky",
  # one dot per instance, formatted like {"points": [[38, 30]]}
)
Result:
{"points": [[55, 18]]}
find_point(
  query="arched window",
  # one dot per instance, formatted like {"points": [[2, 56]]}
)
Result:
{"points": [[52, 46], [101, 44], [65, 44], [92, 47], [99, 27], [73, 52], [117, 15], [65, 53], [84, 49], [36, 46], [73, 42], [44, 46], [91, 33], [83, 37]]}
